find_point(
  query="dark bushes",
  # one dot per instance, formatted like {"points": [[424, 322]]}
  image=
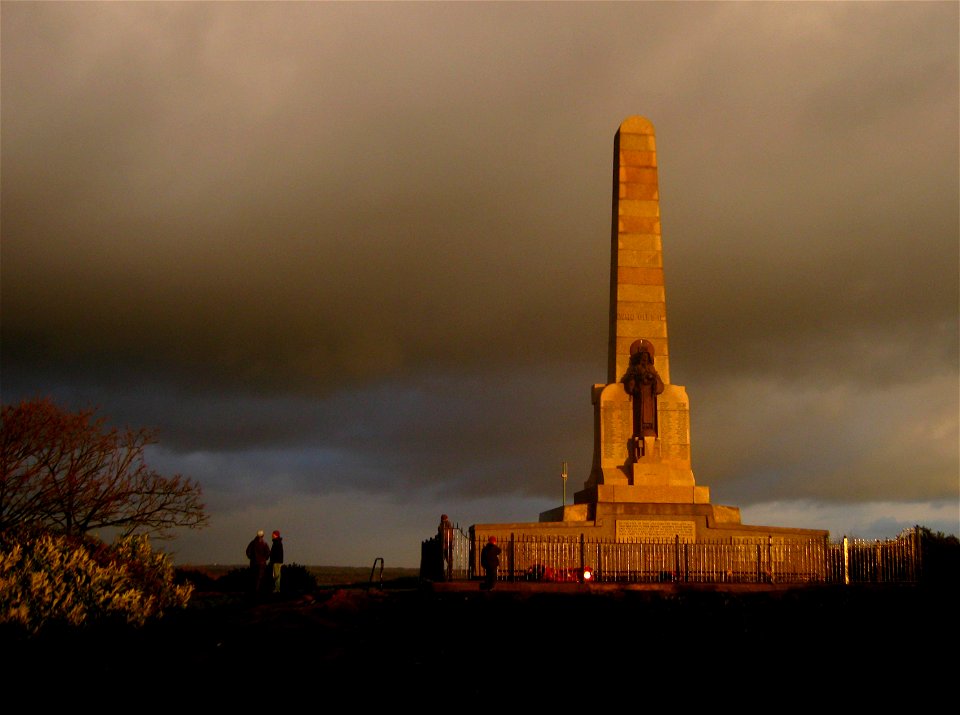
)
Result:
{"points": [[294, 579]]}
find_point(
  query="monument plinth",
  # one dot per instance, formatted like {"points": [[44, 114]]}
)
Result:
{"points": [[641, 482]]}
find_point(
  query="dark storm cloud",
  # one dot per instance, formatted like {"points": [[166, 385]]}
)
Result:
{"points": [[324, 247], [253, 242]]}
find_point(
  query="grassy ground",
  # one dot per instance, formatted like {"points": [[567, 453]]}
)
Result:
{"points": [[325, 576], [413, 645]]}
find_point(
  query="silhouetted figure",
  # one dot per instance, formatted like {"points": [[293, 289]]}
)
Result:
{"points": [[490, 560], [258, 553], [276, 560], [445, 537]]}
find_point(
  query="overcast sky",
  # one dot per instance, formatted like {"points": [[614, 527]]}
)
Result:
{"points": [[351, 260]]}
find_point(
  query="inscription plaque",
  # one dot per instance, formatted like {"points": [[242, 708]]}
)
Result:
{"points": [[656, 529], [617, 426], [674, 426]]}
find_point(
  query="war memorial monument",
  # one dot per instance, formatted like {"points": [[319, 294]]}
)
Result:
{"points": [[641, 484]]}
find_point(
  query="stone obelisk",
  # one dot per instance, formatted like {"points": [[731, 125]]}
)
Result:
{"points": [[638, 307], [641, 483], [655, 466]]}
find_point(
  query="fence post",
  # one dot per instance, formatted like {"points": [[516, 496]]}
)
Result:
{"points": [[827, 560], [769, 574], [917, 555], [583, 563], [513, 555], [846, 561], [676, 556], [878, 563]]}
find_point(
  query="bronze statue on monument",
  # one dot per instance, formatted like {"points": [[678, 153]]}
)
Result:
{"points": [[642, 382]]}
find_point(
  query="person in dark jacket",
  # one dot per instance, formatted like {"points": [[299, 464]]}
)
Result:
{"points": [[490, 560], [276, 560], [258, 552]]}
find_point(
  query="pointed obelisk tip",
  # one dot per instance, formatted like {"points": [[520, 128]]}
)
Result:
{"points": [[636, 125]]}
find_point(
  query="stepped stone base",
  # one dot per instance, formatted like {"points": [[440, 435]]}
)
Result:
{"points": [[642, 493], [623, 519]]}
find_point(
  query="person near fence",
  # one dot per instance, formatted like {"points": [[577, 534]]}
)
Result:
{"points": [[445, 537], [490, 560], [276, 560], [258, 552]]}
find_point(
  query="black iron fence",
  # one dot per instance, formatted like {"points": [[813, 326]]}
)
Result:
{"points": [[735, 560], [456, 565]]}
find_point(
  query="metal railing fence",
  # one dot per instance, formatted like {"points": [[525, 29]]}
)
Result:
{"points": [[436, 566], [734, 560]]}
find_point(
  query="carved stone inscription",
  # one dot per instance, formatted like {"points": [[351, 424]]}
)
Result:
{"points": [[655, 529], [673, 414], [674, 426], [617, 418], [647, 314]]}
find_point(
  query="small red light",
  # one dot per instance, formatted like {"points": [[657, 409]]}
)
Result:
{"points": [[587, 574]]}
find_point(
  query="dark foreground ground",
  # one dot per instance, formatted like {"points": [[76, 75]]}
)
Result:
{"points": [[403, 642]]}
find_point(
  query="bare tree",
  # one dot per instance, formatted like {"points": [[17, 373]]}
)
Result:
{"points": [[69, 472]]}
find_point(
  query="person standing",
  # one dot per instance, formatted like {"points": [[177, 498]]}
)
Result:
{"points": [[258, 552], [490, 560], [276, 560], [445, 535]]}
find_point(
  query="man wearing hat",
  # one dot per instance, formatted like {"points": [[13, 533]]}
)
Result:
{"points": [[258, 552], [276, 560]]}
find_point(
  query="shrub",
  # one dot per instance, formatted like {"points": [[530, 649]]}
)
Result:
{"points": [[197, 579], [235, 580], [48, 580], [295, 578], [941, 557]]}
